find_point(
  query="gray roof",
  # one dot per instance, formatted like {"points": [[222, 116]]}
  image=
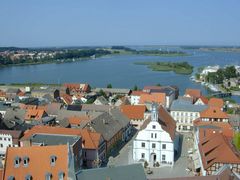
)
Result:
{"points": [[3, 107], [102, 100], [120, 117], [181, 105], [128, 172], [13, 117], [106, 125], [13, 90], [113, 90], [49, 139], [93, 107]]}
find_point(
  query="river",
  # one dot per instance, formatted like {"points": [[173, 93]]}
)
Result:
{"points": [[118, 70]]}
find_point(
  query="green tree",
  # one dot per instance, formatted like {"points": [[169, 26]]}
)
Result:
{"points": [[109, 86], [158, 84], [230, 72], [135, 88]]}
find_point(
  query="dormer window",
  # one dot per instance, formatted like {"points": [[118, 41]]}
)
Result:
{"points": [[53, 160], [61, 175], [11, 178], [48, 176], [28, 177], [17, 161], [25, 161]]}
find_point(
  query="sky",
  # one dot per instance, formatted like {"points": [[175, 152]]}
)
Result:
{"points": [[42, 23]]}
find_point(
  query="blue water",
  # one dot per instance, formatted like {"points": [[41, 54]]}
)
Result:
{"points": [[120, 71]]}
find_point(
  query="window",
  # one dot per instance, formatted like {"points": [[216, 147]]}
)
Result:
{"points": [[154, 127], [163, 146], [143, 155], [11, 177], [0, 138], [151, 135], [61, 175], [48, 176], [28, 177], [163, 157], [16, 161], [25, 161], [53, 160], [1, 145], [153, 145], [155, 135], [5, 139], [143, 144], [8, 139]]}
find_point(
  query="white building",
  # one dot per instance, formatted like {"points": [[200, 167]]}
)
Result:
{"points": [[8, 138], [156, 143], [184, 113]]}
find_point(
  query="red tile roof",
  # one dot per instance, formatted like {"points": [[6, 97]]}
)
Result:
{"points": [[39, 161], [204, 99], [216, 102], [214, 112], [159, 98], [36, 114], [167, 122], [138, 93], [134, 111], [212, 127], [212, 148], [77, 120], [89, 138], [195, 93], [67, 99]]}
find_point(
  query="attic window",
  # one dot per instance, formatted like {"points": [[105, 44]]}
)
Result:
{"points": [[17, 161], [11, 178], [214, 111], [48, 176], [28, 177], [53, 160], [61, 175], [25, 161]]}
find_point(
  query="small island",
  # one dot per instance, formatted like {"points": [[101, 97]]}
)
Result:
{"points": [[177, 67]]}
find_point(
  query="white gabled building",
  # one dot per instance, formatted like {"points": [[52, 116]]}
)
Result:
{"points": [[157, 142]]}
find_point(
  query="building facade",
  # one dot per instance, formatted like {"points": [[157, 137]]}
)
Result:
{"points": [[156, 143]]}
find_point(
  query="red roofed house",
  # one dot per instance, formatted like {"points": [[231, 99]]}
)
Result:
{"points": [[136, 113], [35, 114], [93, 144], [194, 93], [3, 96], [216, 151], [77, 88], [39, 162], [135, 97], [216, 102], [67, 99], [159, 98], [214, 114], [201, 101]]}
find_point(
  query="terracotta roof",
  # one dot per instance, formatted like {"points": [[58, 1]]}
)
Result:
{"points": [[133, 111], [89, 138], [195, 93], [36, 114], [36, 155], [212, 127], [138, 93], [212, 148], [204, 99], [214, 112], [159, 98], [72, 85], [67, 99], [216, 102], [2, 93], [167, 122], [149, 88], [77, 120]]}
